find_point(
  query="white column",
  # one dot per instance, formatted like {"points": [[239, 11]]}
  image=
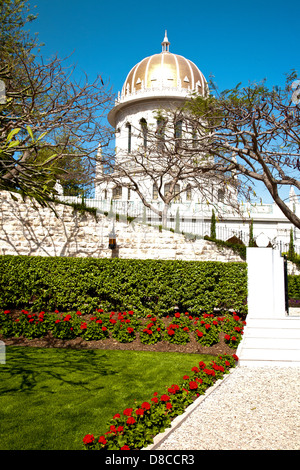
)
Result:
{"points": [[266, 289]]}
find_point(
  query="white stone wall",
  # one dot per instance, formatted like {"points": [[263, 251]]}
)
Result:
{"points": [[27, 229]]}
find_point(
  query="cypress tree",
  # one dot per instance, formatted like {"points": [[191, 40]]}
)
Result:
{"points": [[213, 225]]}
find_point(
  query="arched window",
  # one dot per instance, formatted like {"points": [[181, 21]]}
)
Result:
{"points": [[178, 129], [117, 192], [188, 192], [194, 137], [155, 192], [176, 191], [144, 128], [160, 132], [221, 195], [128, 137]]}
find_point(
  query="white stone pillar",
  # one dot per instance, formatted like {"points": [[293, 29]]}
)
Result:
{"points": [[266, 288]]}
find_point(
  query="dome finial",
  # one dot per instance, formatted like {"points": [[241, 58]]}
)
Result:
{"points": [[165, 44]]}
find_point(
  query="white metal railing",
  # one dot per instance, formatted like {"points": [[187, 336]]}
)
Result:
{"points": [[185, 218]]}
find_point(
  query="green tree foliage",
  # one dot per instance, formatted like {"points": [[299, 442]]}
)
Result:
{"points": [[213, 234], [43, 102], [144, 286], [252, 133], [291, 252], [251, 237]]}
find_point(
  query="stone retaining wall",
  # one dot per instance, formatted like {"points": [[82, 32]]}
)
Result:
{"points": [[29, 229]]}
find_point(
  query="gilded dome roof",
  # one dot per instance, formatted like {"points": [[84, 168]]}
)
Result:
{"points": [[164, 71]]}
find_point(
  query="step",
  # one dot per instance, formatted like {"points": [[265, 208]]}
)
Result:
{"points": [[287, 333], [291, 355], [286, 322], [270, 341]]}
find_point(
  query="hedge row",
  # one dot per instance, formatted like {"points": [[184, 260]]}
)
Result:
{"points": [[145, 286], [294, 287]]}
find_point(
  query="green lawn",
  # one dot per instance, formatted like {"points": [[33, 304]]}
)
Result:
{"points": [[51, 398]]}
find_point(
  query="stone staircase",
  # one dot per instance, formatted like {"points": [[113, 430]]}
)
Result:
{"points": [[270, 341]]}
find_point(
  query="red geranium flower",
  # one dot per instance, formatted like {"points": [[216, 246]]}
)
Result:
{"points": [[193, 385], [154, 399], [169, 406], [125, 448], [102, 440], [140, 411], [165, 398], [88, 439], [117, 415], [130, 420], [185, 377], [83, 326], [127, 411], [146, 405], [130, 329], [195, 369]]}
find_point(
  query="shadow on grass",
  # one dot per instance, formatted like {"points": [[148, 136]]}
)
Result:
{"points": [[39, 369]]}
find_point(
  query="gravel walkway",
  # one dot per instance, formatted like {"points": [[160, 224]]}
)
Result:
{"points": [[252, 409]]}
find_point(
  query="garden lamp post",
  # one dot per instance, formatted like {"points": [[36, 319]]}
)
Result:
{"points": [[112, 239]]}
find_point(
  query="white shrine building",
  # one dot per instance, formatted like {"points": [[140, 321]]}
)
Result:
{"points": [[164, 81]]}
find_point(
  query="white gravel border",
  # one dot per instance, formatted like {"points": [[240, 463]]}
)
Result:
{"points": [[251, 408], [160, 438]]}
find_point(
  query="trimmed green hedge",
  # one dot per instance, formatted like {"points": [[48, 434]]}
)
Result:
{"points": [[145, 286], [294, 287]]}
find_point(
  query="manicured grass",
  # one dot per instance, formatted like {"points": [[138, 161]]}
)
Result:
{"points": [[51, 398]]}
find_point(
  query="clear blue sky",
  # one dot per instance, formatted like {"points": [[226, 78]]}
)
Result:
{"points": [[235, 41]]}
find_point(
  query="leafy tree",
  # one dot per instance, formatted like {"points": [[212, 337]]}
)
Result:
{"points": [[291, 252], [213, 225], [43, 102], [251, 237], [253, 133]]}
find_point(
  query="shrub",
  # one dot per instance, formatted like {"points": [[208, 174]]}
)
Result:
{"points": [[95, 330], [135, 427], [177, 333], [144, 286], [153, 331]]}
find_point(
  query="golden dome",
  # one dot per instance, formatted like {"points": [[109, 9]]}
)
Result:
{"points": [[164, 71]]}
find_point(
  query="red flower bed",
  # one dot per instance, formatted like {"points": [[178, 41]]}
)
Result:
{"points": [[135, 428]]}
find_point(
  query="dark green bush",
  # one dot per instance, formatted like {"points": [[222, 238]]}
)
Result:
{"points": [[294, 287], [144, 286]]}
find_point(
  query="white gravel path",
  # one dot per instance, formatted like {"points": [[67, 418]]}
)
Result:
{"points": [[255, 408]]}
